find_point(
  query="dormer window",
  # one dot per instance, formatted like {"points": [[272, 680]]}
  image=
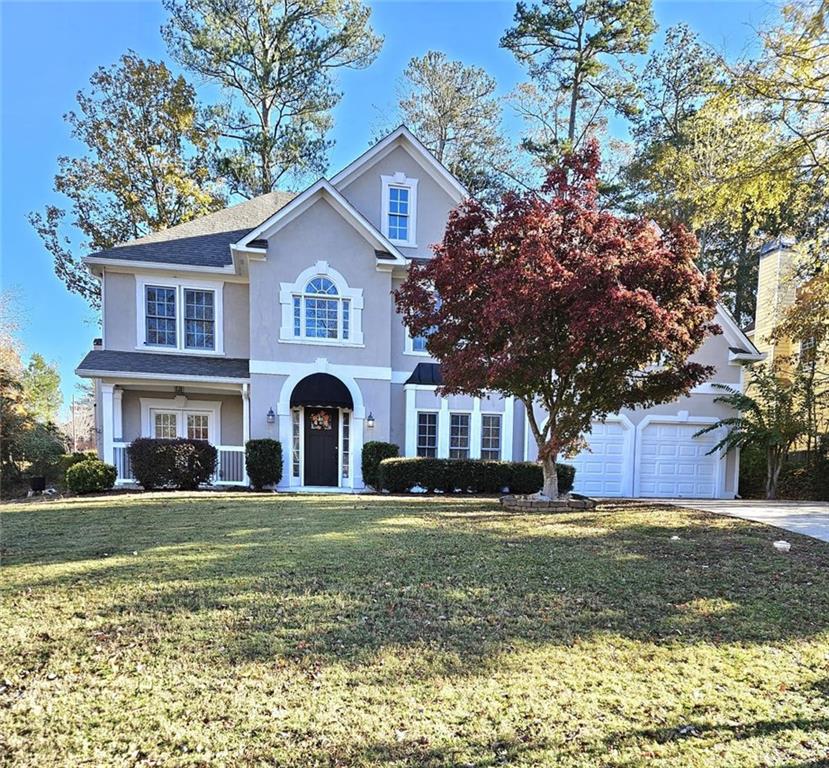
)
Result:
{"points": [[399, 214]]}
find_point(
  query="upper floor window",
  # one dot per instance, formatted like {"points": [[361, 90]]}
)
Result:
{"points": [[320, 308], [161, 316], [399, 209], [179, 316], [320, 313], [199, 319]]}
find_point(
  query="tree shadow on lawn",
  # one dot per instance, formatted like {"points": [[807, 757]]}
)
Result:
{"points": [[289, 580], [722, 732]]}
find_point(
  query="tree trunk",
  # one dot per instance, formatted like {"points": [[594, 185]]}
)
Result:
{"points": [[550, 488], [773, 464]]}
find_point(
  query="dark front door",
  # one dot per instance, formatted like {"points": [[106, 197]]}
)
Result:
{"points": [[322, 428]]}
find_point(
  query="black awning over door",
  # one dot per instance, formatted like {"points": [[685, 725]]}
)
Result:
{"points": [[321, 389]]}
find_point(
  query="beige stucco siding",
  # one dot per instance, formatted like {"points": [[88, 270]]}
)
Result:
{"points": [[433, 202], [120, 311], [231, 412], [319, 234]]}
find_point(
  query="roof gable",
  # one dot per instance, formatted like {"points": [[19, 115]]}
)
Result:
{"points": [[385, 251], [404, 138]]}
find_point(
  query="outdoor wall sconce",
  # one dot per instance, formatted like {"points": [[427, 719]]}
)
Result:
{"points": [[370, 420], [271, 417]]}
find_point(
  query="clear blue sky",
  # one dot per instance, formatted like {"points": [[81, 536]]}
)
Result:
{"points": [[49, 51]]}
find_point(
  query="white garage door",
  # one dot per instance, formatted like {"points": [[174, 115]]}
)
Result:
{"points": [[604, 469], [675, 464]]}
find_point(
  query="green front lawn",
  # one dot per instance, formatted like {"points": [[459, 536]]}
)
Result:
{"points": [[242, 630]]}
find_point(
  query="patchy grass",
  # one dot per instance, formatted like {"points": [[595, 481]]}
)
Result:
{"points": [[239, 630]]}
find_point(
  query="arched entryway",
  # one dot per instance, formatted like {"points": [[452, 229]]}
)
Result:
{"points": [[326, 433]]}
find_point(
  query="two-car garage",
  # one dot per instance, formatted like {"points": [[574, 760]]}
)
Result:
{"points": [[661, 457]]}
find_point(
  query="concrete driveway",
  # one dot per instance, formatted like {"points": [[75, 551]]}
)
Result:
{"points": [[810, 518]]}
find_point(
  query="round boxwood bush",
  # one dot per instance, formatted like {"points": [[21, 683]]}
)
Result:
{"points": [[263, 462], [374, 451], [91, 476]]}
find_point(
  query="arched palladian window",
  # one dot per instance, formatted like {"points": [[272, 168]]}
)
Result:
{"points": [[320, 308], [320, 312]]}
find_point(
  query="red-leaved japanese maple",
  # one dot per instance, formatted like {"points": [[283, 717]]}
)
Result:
{"points": [[574, 309]]}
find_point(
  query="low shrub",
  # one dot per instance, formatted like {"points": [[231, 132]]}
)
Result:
{"points": [[70, 459], [91, 476], [179, 463], [374, 451], [263, 462], [399, 475], [804, 483]]}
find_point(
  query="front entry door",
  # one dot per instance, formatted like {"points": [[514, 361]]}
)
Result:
{"points": [[322, 428]]}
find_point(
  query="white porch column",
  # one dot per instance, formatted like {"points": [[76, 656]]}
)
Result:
{"points": [[410, 447], [107, 422], [117, 415], [509, 425], [475, 429], [245, 427], [443, 429]]}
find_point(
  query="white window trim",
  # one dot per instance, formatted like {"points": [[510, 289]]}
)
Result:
{"points": [[501, 417], [469, 413], [409, 349], [179, 285], [181, 405], [287, 291], [399, 179], [417, 413]]}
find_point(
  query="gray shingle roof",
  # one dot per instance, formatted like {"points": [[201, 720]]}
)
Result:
{"points": [[115, 362], [203, 242]]}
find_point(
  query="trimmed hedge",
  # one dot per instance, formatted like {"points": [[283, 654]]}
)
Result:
{"points": [[91, 476], [179, 463], [468, 475], [374, 451], [263, 462]]}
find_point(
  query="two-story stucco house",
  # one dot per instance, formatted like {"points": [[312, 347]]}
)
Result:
{"points": [[275, 318]]}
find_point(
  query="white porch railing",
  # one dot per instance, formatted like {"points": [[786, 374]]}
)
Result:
{"points": [[230, 465]]}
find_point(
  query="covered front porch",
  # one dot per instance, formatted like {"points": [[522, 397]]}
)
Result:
{"points": [[218, 413]]}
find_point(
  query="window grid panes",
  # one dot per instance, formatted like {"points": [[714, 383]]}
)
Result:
{"points": [[346, 317], [418, 343], [459, 436], [320, 313], [490, 436], [199, 319], [427, 434], [198, 426], [346, 443], [297, 316], [165, 426], [161, 316], [399, 213], [295, 443]]}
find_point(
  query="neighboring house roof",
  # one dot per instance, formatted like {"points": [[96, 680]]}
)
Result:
{"points": [[735, 336], [202, 242], [426, 373], [107, 362]]}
